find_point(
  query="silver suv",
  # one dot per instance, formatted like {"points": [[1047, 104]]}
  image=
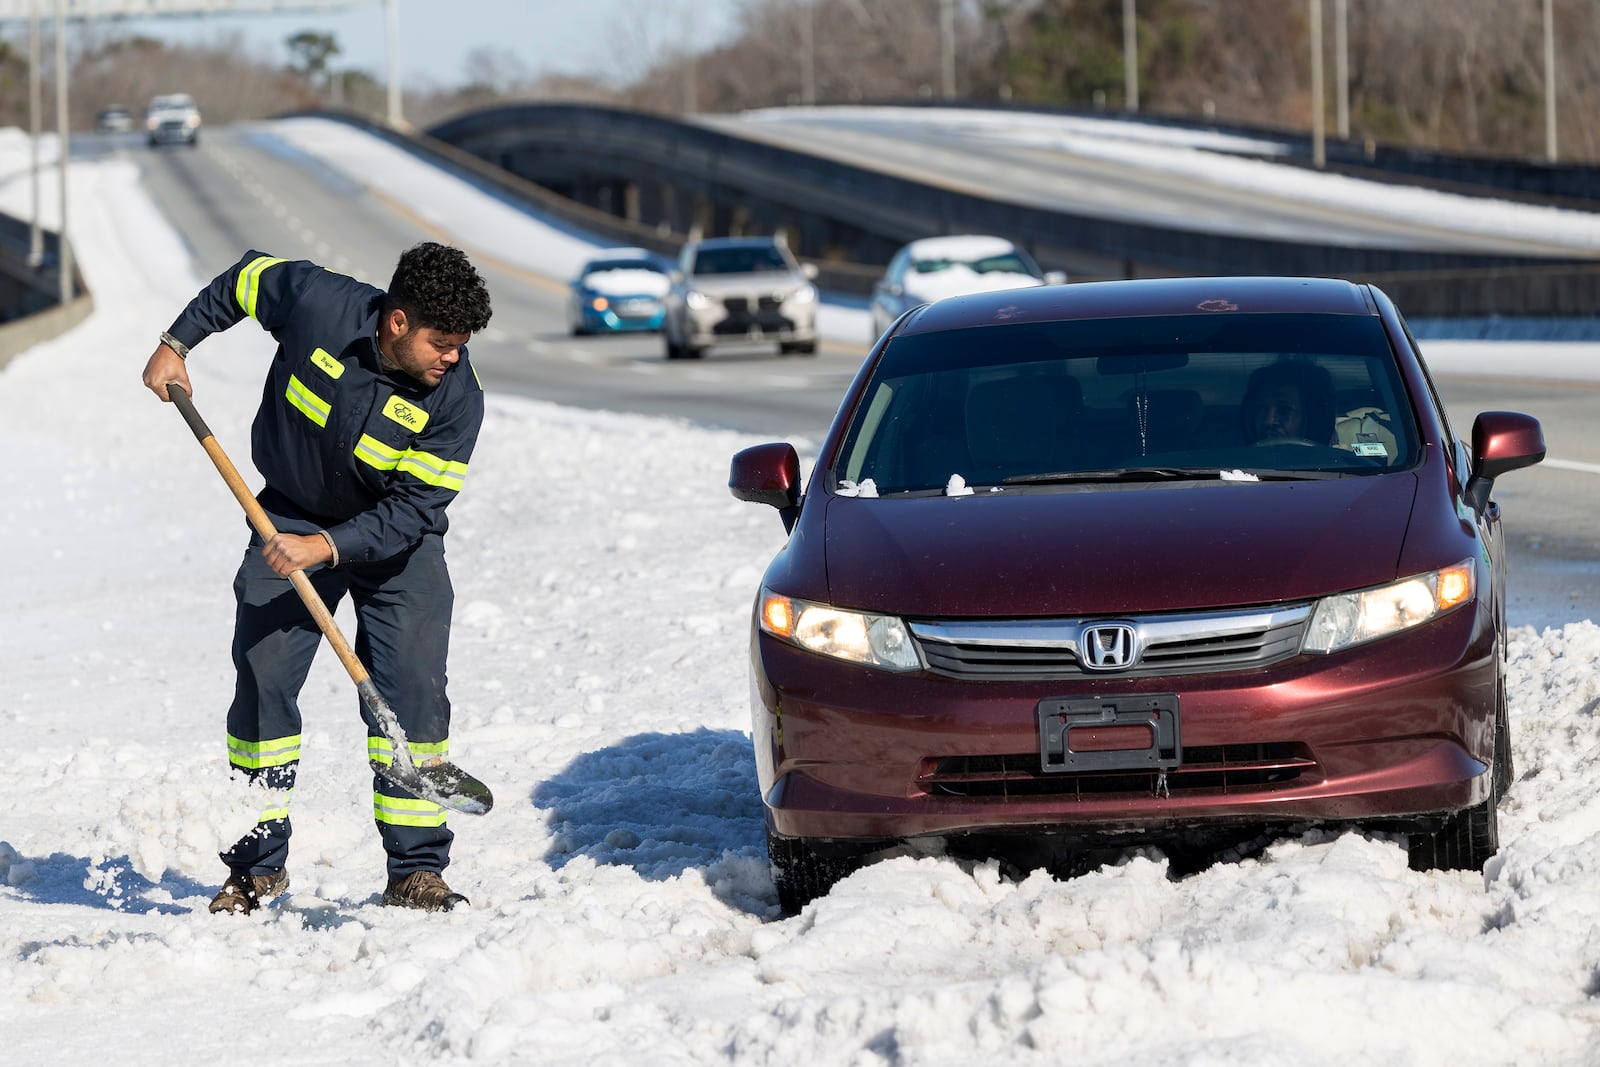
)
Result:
{"points": [[740, 291], [172, 118]]}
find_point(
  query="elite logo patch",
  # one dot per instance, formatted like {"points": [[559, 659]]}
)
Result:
{"points": [[332, 366], [406, 414]]}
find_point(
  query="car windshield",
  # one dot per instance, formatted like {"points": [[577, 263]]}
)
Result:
{"points": [[1201, 397], [602, 266], [1007, 263], [746, 259]]}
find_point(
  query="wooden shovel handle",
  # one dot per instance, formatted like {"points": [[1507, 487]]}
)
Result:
{"points": [[263, 526]]}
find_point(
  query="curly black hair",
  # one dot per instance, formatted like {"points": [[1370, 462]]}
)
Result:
{"points": [[437, 287]]}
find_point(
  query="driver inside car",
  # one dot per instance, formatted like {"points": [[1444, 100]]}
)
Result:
{"points": [[1290, 402]]}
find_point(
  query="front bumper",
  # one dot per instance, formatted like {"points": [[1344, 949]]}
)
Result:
{"points": [[1397, 729], [624, 316], [736, 321], [173, 133]]}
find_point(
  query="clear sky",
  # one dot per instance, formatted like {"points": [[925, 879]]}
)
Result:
{"points": [[610, 38]]}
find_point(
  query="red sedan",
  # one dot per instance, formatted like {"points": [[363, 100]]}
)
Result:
{"points": [[1156, 561]]}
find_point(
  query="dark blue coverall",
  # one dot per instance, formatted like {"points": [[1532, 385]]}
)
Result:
{"points": [[373, 457]]}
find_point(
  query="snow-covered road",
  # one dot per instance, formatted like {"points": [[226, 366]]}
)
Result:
{"points": [[622, 911]]}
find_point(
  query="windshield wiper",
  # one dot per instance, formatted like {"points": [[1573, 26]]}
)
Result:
{"points": [[1117, 474], [1163, 474]]}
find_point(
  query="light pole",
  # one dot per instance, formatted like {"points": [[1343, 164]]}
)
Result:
{"points": [[1341, 63], [1130, 55], [1319, 155], [808, 53], [64, 246], [947, 48], [1549, 82], [35, 106]]}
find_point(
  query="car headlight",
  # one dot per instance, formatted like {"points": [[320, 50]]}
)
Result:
{"points": [[696, 300], [599, 303], [873, 640], [1353, 618], [806, 294]]}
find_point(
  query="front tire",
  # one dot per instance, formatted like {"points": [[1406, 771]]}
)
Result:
{"points": [[801, 874], [1464, 843], [1469, 838]]}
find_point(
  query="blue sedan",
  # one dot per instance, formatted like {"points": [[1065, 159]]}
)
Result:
{"points": [[619, 289]]}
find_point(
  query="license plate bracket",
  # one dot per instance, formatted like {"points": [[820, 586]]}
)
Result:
{"points": [[1060, 717]]}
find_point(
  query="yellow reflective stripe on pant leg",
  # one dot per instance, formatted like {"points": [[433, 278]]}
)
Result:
{"points": [[254, 755], [404, 811], [310, 404], [248, 287], [278, 810], [380, 751]]}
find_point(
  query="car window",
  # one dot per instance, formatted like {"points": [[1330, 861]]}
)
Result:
{"points": [[1011, 405], [739, 260], [1007, 263], [604, 265]]}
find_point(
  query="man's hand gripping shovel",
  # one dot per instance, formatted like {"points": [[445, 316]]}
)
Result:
{"points": [[439, 781]]}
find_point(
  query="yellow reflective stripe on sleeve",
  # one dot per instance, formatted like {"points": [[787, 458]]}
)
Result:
{"points": [[443, 474], [332, 366], [402, 811], [424, 466], [248, 287], [379, 750], [254, 755], [374, 453], [313, 406]]}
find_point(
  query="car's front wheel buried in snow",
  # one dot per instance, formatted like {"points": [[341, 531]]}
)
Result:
{"points": [[802, 873], [1469, 837]]}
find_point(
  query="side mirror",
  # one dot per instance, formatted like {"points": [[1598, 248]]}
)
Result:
{"points": [[1055, 277], [809, 270], [1502, 441], [768, 474]]}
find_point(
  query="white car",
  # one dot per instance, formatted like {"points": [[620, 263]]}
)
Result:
{"points": [[740, 291], [936, 267], [172, 118]]}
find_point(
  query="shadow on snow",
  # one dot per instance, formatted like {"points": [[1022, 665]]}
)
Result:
{"points": [[110, 883], [662, 804]]}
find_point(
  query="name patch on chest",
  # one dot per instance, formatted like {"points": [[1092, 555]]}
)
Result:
{"points": [[406, 414], [331, 366]]}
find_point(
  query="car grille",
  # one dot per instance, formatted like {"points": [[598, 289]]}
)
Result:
{"points": [[1205, 769], [765, 316], [1032, 649], [740, 305]]}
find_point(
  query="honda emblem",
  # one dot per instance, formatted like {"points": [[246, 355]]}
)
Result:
{"points": [[1110, 646]]}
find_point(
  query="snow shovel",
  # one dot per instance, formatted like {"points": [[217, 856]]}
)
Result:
{"points": [[441, 782]]}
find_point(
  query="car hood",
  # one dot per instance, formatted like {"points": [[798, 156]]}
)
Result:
{"points": [[626, 283], [1117, 550], [775, 281]]}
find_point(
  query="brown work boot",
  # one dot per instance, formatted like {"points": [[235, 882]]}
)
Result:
{"points": [[243, 892], [422, 889]]}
